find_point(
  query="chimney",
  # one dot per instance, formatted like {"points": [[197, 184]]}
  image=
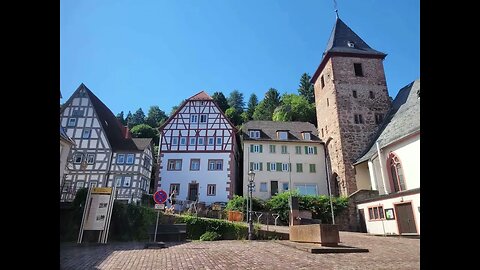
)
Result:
{"points": [[126, 132]]}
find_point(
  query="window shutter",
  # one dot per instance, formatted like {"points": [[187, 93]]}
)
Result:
{"points": [[289, 167], [261, 166], [306, 150], [315, 150], [279, 166], [268, 166], [251, 148], [261, 148], [251, 166]]}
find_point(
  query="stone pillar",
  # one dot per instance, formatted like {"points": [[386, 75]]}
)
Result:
{"points": [[294, 218]]}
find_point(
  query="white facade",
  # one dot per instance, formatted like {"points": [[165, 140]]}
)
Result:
{"points": [[295, 168]]}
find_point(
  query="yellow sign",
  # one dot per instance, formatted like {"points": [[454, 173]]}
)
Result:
{"points": [[102, 190]]}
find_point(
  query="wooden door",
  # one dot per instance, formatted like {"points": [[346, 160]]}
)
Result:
{"points": [[363, 225], [405, 218], [192, 192], [273, 188]]}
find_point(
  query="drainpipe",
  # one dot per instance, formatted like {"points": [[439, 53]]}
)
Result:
{"points": [[381, 167]]}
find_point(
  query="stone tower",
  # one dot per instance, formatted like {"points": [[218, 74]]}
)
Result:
{"points": [[351, 99]]}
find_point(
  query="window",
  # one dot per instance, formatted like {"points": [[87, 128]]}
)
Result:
{"points": [[298, 150], [322, 133], [306, 189], [272, 148], [328, 104], [322, 81], [193, 118], [284, 149], [256, 148], [358, 118], [183, 140], [376, 213], [219, 140], [77, 113], [126, 181], [194, 164], [193, 141], [312, 168], [78, 158], [354, 93], [203, 118], [263, 186], [120, 158], [285, 167], [80, 184], [174, 188], [254, 134], [397, 180], [272, 166], [256, 166], [146, 162], [130, 158], [282, 135], [201, 141], [90, 158], [215, 164], [285, 186], [211, 189], [174, 141], [118, 181], [72, 122], [378, 118], [86, 133], [93, 184], [372, 95], [210, 141], [174, 165], [299, 167], [306, 135], [358, 69], [310, 150]]}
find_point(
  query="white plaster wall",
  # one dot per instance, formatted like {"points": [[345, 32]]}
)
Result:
{"points": [[408, 152], [390, 226], [202, 177], [362, 176], [306, 177]]}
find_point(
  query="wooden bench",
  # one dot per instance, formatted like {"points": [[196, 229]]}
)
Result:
{"points": [[169, 232]]}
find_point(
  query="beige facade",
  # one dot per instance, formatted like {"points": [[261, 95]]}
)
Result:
{"points": [[306, 172]]}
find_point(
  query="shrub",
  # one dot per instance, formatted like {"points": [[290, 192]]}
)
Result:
{"points": [[239, 203], [196, 227], [210, 236]]}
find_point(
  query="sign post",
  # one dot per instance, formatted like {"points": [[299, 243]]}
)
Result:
{"points": [[159, 197]]}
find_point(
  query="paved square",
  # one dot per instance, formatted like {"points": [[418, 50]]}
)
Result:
{"points": [[385, 253]]}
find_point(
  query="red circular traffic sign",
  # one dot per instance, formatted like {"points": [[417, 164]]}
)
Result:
{"points": [[160, 196]]}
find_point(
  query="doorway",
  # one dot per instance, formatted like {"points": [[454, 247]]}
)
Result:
{"points": [[405, 219], [363, 225], [192, 192], [273, 188]]}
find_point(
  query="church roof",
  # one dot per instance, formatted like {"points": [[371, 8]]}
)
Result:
{"points": [[111, 125], [344, 41], [200, 96], [268, 130], [402, 120]]}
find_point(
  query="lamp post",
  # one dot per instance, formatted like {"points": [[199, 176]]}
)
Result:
{"points": [[251, 186]]}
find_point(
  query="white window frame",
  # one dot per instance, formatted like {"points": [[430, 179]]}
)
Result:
{"points": [[282, 135], [254, 134], [263, 187], [174, 140], [256, 148], [193, 141], [285, 167], [211, 141], [175, 163], [256, 166], [284, 147], [211, 189], [201, 141], [90, 158], [88, 132], [122, 156], [118, 181], [219, 141], [127, 181], [177, 189], [79, 185], [183, 140], [76, 156], [130, 156], [192, 161], [213, 164], [193, 118], [304, 185], [72, 122], [306, 136], [273, 166], [283, 186], [311, 150]]}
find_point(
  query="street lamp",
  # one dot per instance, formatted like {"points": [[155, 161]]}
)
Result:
{"points": [[251, 186], [328, 178]]}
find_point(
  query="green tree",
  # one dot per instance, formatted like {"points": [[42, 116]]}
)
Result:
{"points": [[252, 104], [295, 108], [138, 118], [128, 119], [266, 107], [233, 115], [235, 100], [155, 116], [145, 131], [121, 118], [221, 101], [306, 88]]}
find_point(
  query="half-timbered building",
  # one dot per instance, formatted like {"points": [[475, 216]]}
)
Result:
{"points": [[198, 153], [104, 153]]}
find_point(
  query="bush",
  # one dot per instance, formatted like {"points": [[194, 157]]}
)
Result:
{"points": [[238, 203], [196, 227], [210, 236]]}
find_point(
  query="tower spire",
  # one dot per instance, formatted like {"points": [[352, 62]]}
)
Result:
{"points": [[335, 7]]}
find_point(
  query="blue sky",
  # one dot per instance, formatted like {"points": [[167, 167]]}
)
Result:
{"points": [[134, 54]]}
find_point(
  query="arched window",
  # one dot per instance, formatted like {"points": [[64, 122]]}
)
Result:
{"points": [[397, 179]]}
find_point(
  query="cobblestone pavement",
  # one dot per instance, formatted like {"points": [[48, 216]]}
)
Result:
{"points": [[384, 253]]}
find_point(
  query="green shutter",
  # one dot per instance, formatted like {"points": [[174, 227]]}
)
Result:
{"points": [[251, 166], [279, 166], [261, 148], [315, 150], [251, 148], [261, 166], [306, 150], [268, 166], [289, 167]]}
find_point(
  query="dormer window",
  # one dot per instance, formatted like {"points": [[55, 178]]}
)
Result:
{"points": [[254, 134], [282, 135], [306, 136], [350, 44]]}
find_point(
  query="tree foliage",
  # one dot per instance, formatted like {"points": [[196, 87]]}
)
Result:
{"points": [[221, 101], [236, 100], [128, 119], [306, 88], [232, 114], [155, 117], [295, 108], [137, 118], [252, 103], [266, 107], [145, 131], [121, 118]]}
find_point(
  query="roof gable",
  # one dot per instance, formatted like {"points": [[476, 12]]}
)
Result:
{"points": [[269, 129], [200, 96]]}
